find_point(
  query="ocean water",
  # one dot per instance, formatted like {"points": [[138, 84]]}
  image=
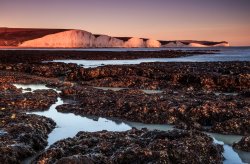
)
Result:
{"points": [[224, 54]]}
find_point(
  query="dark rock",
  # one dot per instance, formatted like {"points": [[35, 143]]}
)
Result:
{"points": [[24, 136], [134, 146], [240, 126], [243, 144], [186, 109], [75, 159], [30, 56], [30, 101], [207, 76]]}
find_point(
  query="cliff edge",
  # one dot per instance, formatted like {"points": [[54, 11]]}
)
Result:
{"points": [[67, 38]]}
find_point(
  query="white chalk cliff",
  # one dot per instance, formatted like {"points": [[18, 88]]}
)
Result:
{"points": [[71, 38], [195, 44], [79, 38], [151, 43], [84, 39], [134, 42], [225, 44]]}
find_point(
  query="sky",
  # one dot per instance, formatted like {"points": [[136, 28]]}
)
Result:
{"points": [[214, 20]]}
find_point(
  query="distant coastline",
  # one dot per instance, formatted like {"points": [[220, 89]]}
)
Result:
{"points": [[67, 38]]}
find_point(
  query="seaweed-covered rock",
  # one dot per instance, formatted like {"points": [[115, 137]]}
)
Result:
{"points": [[6, 88], [243, 144], [31, 56], [30, 101], [207, 76], [134, 146], [22, 136], [187, 109], [239, 126]]}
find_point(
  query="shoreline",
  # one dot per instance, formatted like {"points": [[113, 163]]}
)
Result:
{"points": [[188, 100], [40, 55]]}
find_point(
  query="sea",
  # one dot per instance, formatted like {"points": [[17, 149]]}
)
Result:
{"points": [[219, 54]]}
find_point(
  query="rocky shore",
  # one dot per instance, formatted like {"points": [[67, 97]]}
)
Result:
{"points": [[220, 76], [210, 97], [22, 136], [134, 146], [30, 56], [228, 76], [187, 109]]}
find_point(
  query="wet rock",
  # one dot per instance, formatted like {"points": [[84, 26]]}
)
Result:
{"points": [[24, 136], [187, 109], [24, 56], [240, 126], [163, 75], [243, 144], [188, 125], [27, 89], [8, 88], [134, 146], [31, 101], [207, 76], [246, 93], [123, 104], [8, 77], [75, 159], [219, 110]]}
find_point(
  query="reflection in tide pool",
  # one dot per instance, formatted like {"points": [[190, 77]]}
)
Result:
{"points": [[32, 87], [229, 154], [68, 125]]}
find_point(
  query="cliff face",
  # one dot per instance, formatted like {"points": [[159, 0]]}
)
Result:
{"points": [[77, 39], [15, 36], [71, 38], [52, 38], [153, 43], [194, 43]]}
